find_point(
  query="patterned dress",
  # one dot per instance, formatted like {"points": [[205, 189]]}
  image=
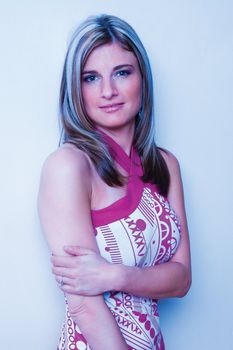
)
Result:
{"points": [[140, 229]]}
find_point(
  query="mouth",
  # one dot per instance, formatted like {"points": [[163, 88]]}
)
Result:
{"points": [[113, 107]]}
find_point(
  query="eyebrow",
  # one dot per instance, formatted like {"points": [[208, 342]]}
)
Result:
{"points": [[114, 69]]}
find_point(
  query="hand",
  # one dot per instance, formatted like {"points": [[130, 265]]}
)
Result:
{"points": [[84, 272]]}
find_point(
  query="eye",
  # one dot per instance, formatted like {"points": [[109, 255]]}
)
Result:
{"points": [[123, 73], [90, 78]]}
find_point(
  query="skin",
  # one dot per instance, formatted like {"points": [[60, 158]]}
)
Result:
{"points": [[111, 79], [69, 190], [69, 182], [85, 272]]}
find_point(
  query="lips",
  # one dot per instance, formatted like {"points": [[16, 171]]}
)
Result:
{"points": [[113, 107]]}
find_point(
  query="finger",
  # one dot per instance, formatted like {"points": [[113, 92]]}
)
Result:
{"points": [[77, 291], [61, 280], [63, 261], [76, 250], [58, 279], [60, 271], [66, 288]]}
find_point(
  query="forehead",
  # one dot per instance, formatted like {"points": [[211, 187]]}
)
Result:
{"points": [[110, 55]]}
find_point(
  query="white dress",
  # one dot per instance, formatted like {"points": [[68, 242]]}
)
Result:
{"points": [[141, 229]]}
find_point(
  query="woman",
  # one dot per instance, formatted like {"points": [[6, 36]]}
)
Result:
{"points": [[107, 196]]}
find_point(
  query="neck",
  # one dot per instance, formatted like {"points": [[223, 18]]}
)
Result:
{"points": [[124, 136]]}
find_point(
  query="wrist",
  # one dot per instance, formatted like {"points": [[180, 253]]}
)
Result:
{"points": [[117, 277], [122, 277]]}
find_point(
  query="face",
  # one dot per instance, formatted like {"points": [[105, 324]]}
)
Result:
{"points": [[112, 87]]}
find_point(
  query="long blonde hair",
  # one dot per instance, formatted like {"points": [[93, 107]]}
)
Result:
{"points": [[77, 127]]}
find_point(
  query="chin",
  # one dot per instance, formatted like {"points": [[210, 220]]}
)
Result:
{"points": [[116, 126]]}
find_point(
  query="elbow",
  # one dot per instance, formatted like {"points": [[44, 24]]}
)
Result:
{"points": [[184, 287], [83, 311], [76, 311]]}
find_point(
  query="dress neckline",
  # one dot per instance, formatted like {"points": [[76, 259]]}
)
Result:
{"points": [[118, 153], [130, 163], [125, 205]]}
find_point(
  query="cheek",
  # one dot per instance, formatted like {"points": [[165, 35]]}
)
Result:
{"points": [[135, 92], [89, 97]]}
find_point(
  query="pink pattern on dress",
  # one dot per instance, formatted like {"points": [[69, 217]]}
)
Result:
{"points": [[141, 229]]}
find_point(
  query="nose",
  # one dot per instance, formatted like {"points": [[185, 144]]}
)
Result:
{"points": [[108, 88]]}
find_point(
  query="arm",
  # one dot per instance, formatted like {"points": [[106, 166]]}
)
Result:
{"points": [[171, 279], [64, 209]]}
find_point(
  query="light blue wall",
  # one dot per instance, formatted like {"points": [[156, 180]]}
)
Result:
{"points": [[190, 44]]}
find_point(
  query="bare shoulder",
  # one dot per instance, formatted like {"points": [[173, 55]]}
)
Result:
{"points": [[171, 161], [67, 172], [66, 162], [64, 199]]}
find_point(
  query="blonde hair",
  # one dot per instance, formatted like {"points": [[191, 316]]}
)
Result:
{"points": [[77, 127]]}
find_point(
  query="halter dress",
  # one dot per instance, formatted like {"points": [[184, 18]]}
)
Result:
{"points": [[140, 229]]}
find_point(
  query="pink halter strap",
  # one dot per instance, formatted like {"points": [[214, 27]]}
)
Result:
{"points": [[131, 164], [124, 206]]}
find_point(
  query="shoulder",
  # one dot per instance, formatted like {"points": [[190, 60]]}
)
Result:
{"points": [[171, 162], [67, 163], [67, 160], [175, 192]]}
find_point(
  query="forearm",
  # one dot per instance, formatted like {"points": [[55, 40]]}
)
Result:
{"points": [[171, 279], [98, 325]]}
